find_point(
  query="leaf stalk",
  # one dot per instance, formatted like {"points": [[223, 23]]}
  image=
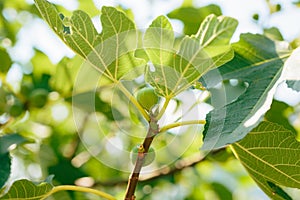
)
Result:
{"points": [[177, 124]]}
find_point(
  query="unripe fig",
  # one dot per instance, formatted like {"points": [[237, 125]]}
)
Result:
{"points": [[150, 156], [38, 98], [147, 98]]}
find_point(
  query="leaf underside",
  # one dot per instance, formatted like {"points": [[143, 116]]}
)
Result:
{"points": [[256, 63], [111, 52]]}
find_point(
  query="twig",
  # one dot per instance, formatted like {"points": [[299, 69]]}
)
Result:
{"points": [[78, 189], [142, 153]]}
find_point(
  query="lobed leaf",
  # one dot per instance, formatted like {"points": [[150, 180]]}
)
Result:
{"points": [[271, 155], [25, 189], [111, 53], [174, 70], [257, 64]]}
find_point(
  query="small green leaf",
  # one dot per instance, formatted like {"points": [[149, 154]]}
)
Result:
{"points": [[192, 17], [271, 153], [5, 162], [7, 140], [295, 85], [3, 99], [273, 33], [5, 61], [257, 64], [25, 189], [279, 114], [42, 64]]}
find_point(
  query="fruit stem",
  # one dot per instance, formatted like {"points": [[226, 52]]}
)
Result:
{"points": [[134, 178], [174, 125], [79, 189], [133, 100]]}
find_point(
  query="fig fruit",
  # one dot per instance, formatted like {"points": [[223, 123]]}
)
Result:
{"points": [[147, 98]]}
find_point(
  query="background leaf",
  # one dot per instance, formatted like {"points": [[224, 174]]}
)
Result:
{"points": [[295, 85], [279, 114], [271, 153], [5, 160], [273, 33], [7, 140], [192, 17], [5, 61], [258, 65]]}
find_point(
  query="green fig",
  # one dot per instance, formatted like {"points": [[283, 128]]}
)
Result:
{"points": [[147, 98]]}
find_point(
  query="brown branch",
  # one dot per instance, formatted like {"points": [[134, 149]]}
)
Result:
{"points": [[142, 153], [180, 165]]}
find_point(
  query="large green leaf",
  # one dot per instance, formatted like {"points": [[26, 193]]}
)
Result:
{"points": [[25, 189], [271, 155], [111, 53], [192, 17], [174, 70], [257, 64]]}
